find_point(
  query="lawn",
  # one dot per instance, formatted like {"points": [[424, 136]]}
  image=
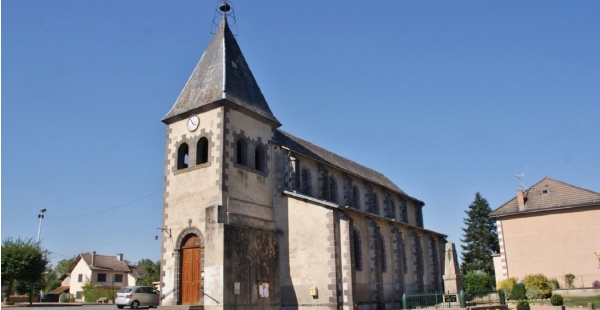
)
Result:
{"points": [[582, 301]]}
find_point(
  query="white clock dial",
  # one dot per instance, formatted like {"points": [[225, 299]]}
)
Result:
{"points": [[193, 122]]}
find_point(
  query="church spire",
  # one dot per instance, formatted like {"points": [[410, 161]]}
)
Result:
{"points": [[222, 76]]}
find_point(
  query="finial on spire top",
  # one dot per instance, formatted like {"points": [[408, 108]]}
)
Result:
{"points": [[224, 7], [227, 14]]}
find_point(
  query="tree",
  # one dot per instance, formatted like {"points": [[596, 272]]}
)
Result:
{"points": [[52, 275], [480, 238], [64, 265], [152, 271], [22, 260]]}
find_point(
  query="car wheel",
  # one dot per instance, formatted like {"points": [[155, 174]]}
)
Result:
{"points": [[135, 304], [120, 307]]}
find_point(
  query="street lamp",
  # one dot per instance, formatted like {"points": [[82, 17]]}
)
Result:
{"points": [[40, 216]]}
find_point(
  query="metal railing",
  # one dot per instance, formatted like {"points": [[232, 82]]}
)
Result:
{"points": [[461, 299]]}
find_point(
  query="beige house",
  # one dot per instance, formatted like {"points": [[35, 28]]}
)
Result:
{"points": [[551, 228], [101, 270], [257, 218]]}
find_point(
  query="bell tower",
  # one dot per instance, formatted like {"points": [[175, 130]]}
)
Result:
{"points": [[219, 180]]}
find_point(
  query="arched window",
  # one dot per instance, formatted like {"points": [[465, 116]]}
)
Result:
{"points": [[305, 181], [375, 204], [259, 158], [242, 152], [392, 209], [357, 254], [355, 198], [332, 189], [183, 156], [202, 151], [383, 253]]}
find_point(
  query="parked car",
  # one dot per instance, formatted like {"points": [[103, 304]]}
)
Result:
{"points": [[137, 296]]}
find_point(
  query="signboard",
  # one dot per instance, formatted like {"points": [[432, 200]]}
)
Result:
{"points": [[450, 298]]}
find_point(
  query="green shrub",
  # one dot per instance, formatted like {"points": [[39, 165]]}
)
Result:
{"points": [[533, 293], [523, 305], [517, 292], [554, 284], [477, 282], [506, 285], [540, 282], [556, 300]]}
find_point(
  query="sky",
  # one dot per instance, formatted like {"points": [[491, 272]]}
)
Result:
{"points": [[445, 98]]}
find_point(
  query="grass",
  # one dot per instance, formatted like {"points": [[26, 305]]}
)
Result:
{"points": [[573, 302], [582, 301]]}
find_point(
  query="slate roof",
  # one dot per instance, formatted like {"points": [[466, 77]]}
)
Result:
{"points": [[320, 154], [59, 290], [103, 262], [549, 194], [222, 73]]}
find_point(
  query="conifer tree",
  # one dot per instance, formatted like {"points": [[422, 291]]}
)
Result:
{"points": [[480, 238]]}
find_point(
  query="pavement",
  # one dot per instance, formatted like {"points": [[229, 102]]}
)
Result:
{"points": [[52, 304]]}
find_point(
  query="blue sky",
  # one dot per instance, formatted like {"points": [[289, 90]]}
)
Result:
{"points": [[446, 98]]}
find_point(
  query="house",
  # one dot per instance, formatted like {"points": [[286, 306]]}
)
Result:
{"points": [[256, 217], [105, 271], [551, 228]]}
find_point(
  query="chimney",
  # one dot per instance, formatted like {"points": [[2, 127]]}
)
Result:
{"points": [[93, 258], [520, 200], [120, 257]]}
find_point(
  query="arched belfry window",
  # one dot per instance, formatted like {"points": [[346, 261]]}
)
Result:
{"points": [[183, 154], [202, 151], [242, 152], [259, 158], [355, 198]]}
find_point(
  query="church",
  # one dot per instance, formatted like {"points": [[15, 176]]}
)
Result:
{"points": [[257, 218]]}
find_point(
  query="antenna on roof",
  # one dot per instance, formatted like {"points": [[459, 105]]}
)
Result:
{"points": [[521, 176], [223, 10]]}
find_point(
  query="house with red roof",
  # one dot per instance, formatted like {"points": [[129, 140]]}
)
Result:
{"points": [[552, 228]]}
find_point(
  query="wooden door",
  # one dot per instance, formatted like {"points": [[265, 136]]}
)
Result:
{"points": [[190, 271]]}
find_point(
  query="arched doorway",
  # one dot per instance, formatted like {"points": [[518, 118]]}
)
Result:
{"points": [[190, 270]]}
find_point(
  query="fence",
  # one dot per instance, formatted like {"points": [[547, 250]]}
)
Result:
{"points": [[452, 300]]}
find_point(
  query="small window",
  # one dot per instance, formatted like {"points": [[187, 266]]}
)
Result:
{"points": [[242, 152], [355, 198], [545, 191], [182, 156], [118, 278], [80, 278], [375, 204], [259, 158], [332, 189], [357, 250], [305, 181], [101, 277], [202, 151]]}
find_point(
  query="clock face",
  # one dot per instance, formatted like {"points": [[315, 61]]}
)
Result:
{"points": [[193, 123]]}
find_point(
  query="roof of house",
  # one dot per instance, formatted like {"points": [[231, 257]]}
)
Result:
{"points": [[222, 73], [549, 194], [59, 290], [102, 262]]}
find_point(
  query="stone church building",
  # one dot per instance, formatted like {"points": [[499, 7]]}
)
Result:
{"points": [[257, 218]]}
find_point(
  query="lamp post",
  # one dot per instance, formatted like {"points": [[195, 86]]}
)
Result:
{"points": [[40, 216]]}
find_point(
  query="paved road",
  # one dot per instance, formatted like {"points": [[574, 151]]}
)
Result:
{"points": [[44, 306]]}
